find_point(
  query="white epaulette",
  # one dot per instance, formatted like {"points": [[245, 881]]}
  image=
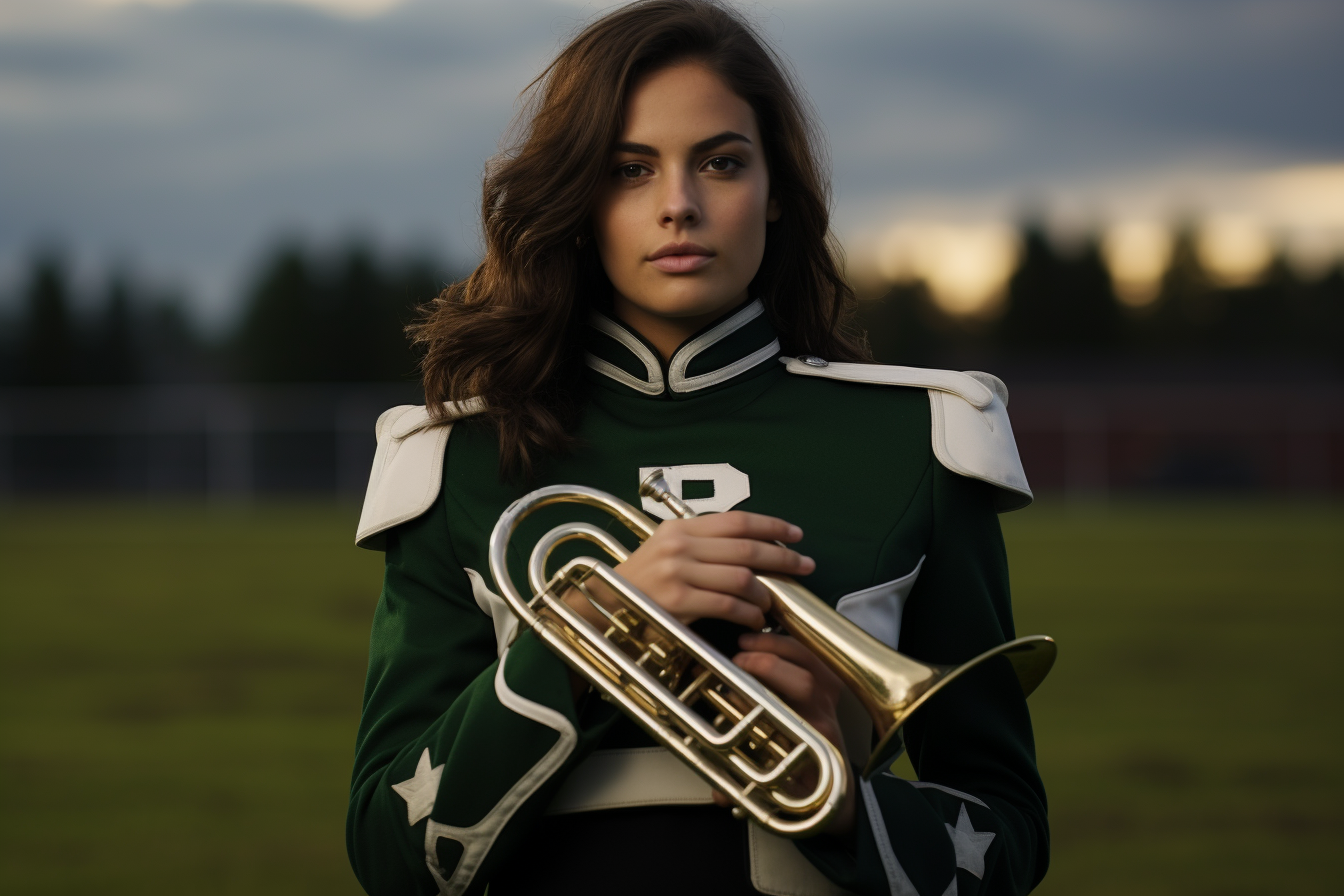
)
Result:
{"points": [[971, 433], [407, 467]]}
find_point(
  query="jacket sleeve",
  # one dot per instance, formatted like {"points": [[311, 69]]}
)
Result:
{"points": [[459, 750], [975, 821]]}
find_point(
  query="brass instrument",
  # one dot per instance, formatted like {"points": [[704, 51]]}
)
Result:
{"points": [[730, 729]]}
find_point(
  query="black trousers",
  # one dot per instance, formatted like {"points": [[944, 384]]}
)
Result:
{"points": [[649, 851]]}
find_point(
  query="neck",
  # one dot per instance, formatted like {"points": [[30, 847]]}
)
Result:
{"points": [[665, 334]]}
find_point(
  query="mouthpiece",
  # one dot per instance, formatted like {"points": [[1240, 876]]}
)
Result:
{"points": [[655, 486]]}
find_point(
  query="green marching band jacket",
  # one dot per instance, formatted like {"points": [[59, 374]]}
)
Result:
{"points": [[475, 765]]}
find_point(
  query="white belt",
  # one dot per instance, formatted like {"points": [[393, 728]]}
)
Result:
{"points": [[637, 776]]}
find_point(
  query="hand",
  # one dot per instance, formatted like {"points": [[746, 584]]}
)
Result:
{"points": [[704, 567], [807, 685]]}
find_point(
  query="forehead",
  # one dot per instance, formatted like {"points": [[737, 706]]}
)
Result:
{"points": [[683, 104]]}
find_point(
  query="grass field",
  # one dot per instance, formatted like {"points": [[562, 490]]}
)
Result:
{"points": [[179, 689]]}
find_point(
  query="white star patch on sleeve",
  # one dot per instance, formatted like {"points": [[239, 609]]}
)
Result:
{"points": [[969, 843], [420, 791]]}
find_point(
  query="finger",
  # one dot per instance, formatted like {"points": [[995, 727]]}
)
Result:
{"points": [[720, 798], [700, 603], [793, 682], [593, 591], [790, 649], [762, 556], [784, 646], [741, 524], [737, 581]]}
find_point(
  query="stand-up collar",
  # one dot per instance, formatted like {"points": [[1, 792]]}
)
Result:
{"points": [[728, 348]]}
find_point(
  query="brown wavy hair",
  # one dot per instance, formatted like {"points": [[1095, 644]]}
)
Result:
{"points": [[511, 332]]}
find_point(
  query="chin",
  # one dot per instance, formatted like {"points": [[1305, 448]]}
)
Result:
{"points": [[697, 303]]}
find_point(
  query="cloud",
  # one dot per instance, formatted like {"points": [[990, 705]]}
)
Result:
{"points": [[357, 9], [188, 136], [186, 133]]}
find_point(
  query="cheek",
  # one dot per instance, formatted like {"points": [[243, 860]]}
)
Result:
{"points": [[747, 218], [612, 230]]}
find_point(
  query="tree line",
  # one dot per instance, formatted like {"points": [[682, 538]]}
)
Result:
{"points": [[337, 314], [1061, 306], [334, 314]]}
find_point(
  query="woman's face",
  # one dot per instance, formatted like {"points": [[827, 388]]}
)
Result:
{"points": [[680, 218]]}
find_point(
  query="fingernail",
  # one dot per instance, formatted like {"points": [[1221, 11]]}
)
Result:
{"points": [[808, 562], [795, 532]]}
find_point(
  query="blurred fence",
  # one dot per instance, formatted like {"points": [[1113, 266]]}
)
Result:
{"points": [[1095, 438], [1085, 439], [218, 441]]}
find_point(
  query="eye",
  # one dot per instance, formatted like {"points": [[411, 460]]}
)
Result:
{"points": [[630, 171], [723, 163]]}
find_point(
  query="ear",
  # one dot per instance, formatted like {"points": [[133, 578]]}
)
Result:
{"points": [[772, 210]]}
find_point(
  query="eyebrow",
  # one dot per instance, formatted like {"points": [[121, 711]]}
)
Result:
{"points": [[643, 149]]}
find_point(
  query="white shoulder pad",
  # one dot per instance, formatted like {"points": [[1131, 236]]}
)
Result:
{"points": [[971, 433], [407, 467]]}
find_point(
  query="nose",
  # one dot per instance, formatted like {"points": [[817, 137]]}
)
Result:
{"points": [[681, 204]]}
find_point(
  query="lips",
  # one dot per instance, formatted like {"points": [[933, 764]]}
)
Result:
{"points": [[681, 258]]}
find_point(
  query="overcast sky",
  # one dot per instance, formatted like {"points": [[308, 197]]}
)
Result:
{"points": [[183, 136]]}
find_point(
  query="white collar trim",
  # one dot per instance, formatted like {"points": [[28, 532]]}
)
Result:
{"points": [[677, 379], [653, 385]]}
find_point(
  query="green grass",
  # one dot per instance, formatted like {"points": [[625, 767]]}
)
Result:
{"points": [[1189, 733], [179, 689], [180, 692]]}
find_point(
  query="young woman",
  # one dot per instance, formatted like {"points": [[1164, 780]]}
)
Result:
{"points": [[659, 289]]}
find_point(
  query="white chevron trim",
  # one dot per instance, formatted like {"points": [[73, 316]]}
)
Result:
{"points": [[477, 839], [897, 879]]}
